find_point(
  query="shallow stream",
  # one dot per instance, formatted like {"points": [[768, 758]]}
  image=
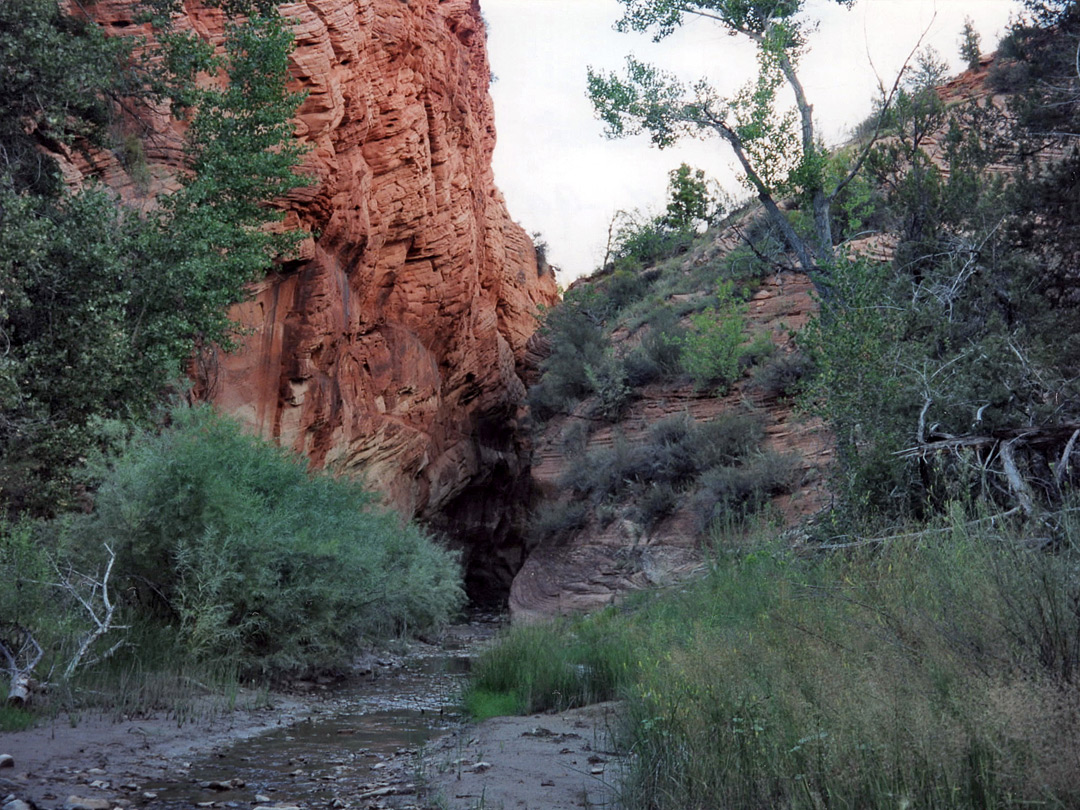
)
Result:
{"points": [[359, 747]]}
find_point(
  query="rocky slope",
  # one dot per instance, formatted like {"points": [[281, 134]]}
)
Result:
{"points": [[391, 346], [609, 557]]}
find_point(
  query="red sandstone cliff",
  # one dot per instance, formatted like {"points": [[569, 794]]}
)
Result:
{"points": [[391, 348]]}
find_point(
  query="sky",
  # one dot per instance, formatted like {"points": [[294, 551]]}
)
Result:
{"points": [[564, 179]]}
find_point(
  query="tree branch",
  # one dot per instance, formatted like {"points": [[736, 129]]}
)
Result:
{"points": [[887, 101]]}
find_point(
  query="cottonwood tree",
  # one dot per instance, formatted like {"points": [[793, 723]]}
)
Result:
{"points": [[778, 149]]}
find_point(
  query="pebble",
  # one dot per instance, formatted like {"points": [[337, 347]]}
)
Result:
{"points": [[7, 761], [17, 804], [261, 799], [480, 767]]}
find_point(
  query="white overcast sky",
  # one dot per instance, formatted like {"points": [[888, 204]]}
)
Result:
{"points": [[563, 178]]}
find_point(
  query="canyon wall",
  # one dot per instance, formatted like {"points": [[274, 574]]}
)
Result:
{"points": [[391, 346]]}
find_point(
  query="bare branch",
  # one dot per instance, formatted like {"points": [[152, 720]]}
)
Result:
{"points": [[887, 101], [1020, 488], [1063, 464]]}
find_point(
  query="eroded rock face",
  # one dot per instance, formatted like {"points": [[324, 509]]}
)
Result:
{"points": [[391, 346], [611, 556]]}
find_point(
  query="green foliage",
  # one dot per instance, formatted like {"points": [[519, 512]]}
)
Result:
{"points": [[712, 346], [536, 668], [640, 241], [783, 375], [969, 44], [717, 466], [691, 199], [904, 672], [968, 331], [104, 306], [577, 344], [55, 72], [250, 559]]}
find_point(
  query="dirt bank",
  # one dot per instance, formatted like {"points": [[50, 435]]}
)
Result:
{"points": [[541, 762]]}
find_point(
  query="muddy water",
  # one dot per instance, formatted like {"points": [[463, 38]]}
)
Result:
{"points": [[359, 747]]}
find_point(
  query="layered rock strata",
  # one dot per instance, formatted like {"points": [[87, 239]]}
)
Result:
{"points": [[607, 558], [390, 347]]}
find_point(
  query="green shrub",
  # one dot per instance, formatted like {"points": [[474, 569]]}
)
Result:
{"points": [[659, 354], [252, 559], [906, 672], [610, 389], [734, 492], [760, 349], [573, 329], [782, 376], [557, 521], [654, 503], [711, 350]]}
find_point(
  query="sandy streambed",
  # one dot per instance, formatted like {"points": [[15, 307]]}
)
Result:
{"points": [[389, 739]]}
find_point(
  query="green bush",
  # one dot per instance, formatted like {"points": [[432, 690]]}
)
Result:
{"points": [[552, 667], [610, 389], [573, 329], [659, 354], [732, 493], [711, 349], [782, 376], [556, 521], [251, 558]]}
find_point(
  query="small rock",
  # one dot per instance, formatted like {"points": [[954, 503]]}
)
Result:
{"points": [[17, 804], [149, 794], [372, 794], [261, 799], [97, 771], [100, 784], [596, 769], [81, 803], [7, 761], [230, 784], [480, 767], [548, 783]]}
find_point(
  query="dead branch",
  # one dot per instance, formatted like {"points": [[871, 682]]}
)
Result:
{"points": [[20, 664], [1063, 465], [102, 618], [1020, 488]]}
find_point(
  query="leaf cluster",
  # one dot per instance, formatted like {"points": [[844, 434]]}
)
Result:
{"points": [[249, 558], [103, 305]]}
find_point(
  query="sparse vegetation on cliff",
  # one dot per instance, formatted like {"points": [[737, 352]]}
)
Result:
{"points": [[917, 644]]}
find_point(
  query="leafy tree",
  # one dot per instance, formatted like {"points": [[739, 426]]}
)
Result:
{"points": [[969, 44], [777, 149], [691, 199], [102, 304]]}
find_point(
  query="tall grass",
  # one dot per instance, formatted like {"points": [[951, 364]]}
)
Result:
{"points": [[934, 670]]}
